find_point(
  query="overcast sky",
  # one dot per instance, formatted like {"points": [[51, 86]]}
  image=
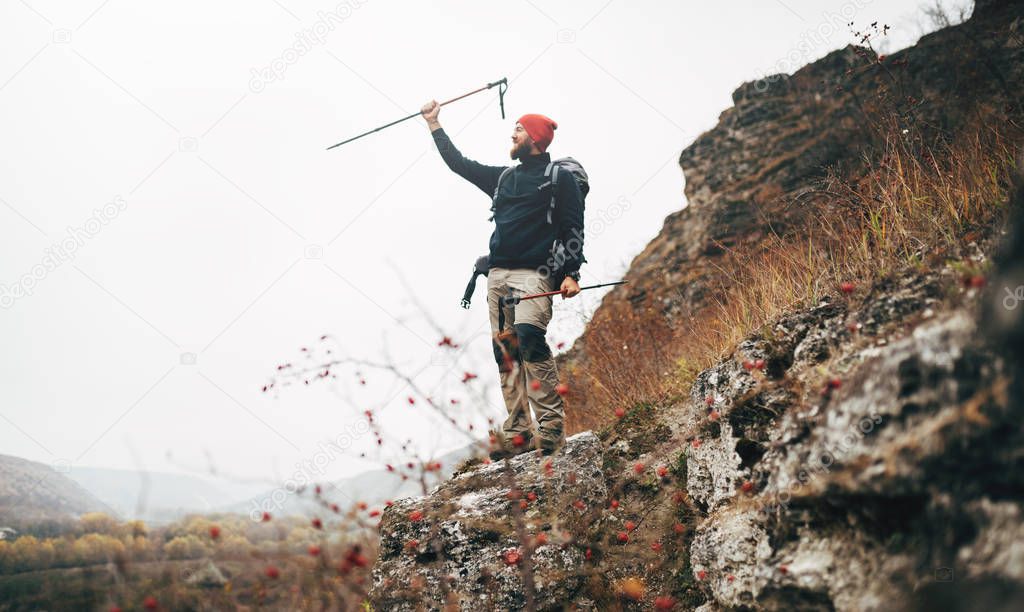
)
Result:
{"points": [[172, 228]]}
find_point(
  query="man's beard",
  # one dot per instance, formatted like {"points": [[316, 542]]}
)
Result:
{"points": [[520, 151]]}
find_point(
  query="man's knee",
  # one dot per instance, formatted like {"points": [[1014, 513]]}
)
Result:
{"points": [[506, 352], [533, 346]]}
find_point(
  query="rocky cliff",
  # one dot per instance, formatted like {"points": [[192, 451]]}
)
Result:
{"points": [[757, 172], [862, 452], [874, 462]]}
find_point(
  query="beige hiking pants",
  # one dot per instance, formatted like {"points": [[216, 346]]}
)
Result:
{"points": [[518, 374]]}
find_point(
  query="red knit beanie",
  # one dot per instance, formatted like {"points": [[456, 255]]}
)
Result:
{"points": [[540, 128]]}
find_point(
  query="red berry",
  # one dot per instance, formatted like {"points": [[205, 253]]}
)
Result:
{"points": [[588, 555], [523, 505], [638, 468], [468, 376], [620, 412], [664, 603], [541, 539], [679, 528], [759, 364], [695, 443], [710, 401], [214, 532], [518, 440], [266, 517], [623, 537], [512, 557], [730, 577], [748, 364], [150, 603], [747, 486], [374, 513], [317, 524], [531, 496], [630, 525], [656, 546], [784, 569], [614, 504], [560, 345], [662, 471], [701, 574], [412, 544], [415, 516], [579, 505], [313, 550], [846, 287], [713, 415], [535, 384], [977, 282], [834, 383], [562, 389], [411, 400]]}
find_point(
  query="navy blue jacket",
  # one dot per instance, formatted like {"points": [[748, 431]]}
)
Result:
{"points": [[522, 236]]}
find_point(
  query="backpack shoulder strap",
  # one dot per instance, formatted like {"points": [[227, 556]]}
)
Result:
{"points": [[552, 172], [497, 186], [501, 177]]}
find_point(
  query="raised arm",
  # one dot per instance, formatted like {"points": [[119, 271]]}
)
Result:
{"points": [[483, 176]]}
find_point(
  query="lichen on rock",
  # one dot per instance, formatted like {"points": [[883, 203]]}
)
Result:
{"points": [[464, 547]]}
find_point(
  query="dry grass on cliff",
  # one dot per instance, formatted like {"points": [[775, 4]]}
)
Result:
{"points": [[911, 204]]}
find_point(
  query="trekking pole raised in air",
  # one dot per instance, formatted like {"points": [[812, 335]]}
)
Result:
{"points": [[515, 299], [502, 88]]}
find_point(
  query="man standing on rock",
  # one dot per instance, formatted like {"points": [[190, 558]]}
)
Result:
{"points": [[520, 261]]}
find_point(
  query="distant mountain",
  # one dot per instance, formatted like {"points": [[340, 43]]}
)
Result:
{"points": [[161, 496], [373, 488], [32, 492]]}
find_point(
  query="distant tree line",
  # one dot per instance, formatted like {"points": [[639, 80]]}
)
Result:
{"points": [[97, 538]]}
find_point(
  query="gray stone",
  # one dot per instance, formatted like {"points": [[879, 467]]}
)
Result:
{"points": [[468, 527]]}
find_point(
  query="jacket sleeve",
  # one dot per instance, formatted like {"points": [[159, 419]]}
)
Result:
{"points": [[569, 209], [483, 176]]}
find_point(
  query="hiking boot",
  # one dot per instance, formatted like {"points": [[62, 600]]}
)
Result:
{"points": [[548, 447], [511, 449]]}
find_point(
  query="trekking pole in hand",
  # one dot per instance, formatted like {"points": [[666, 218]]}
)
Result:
{"points": [[510, 299], [502, 88]]}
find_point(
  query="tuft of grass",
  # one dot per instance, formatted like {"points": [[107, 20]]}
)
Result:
{"points": [[906, 204]]}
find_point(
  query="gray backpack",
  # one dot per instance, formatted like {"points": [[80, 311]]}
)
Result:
{"points": [[556, 167]]}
